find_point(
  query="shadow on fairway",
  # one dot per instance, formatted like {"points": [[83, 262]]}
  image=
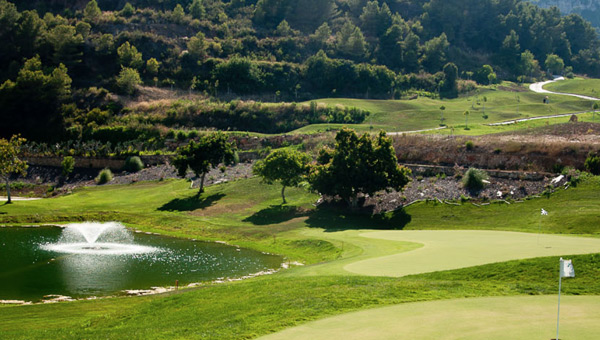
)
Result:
{"points": [[332, 218], [276, 214], [191, 203]]}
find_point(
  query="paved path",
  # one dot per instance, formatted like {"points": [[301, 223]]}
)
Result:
{"points": [[415, 131], [13, 198]]}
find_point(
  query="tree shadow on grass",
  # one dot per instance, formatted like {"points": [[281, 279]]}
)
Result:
{"points": [[334, 218], [191, 203], [276, 214]]}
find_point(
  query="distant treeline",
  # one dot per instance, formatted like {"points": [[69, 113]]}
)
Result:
{"points": [[287, 49]]}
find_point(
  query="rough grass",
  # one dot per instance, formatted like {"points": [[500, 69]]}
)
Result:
{"points": [[586, 87], [424, 113]]}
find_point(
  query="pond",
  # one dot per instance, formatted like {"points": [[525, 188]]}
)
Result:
{"points": [[42, 261]]}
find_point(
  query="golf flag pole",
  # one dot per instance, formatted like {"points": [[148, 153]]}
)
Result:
{"points": [[544, 213], [566, 270]]}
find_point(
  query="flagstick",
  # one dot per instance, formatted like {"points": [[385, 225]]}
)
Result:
{"points": [[539, 230], [559, 289]]}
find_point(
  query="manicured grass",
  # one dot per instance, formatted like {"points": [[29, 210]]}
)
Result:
{"points": [[452, 249], [503, 104], [524, 317], [586, 87], [260, 306], [248, 213]]}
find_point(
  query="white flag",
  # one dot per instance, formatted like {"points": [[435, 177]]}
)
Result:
{"points": [[566, 268], [544, 212]]}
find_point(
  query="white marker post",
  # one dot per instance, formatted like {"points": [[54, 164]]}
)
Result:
{"points": [[566, 270]]}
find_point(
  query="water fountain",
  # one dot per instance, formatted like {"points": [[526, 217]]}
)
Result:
{"points": [[94, 238], [98, 259]]}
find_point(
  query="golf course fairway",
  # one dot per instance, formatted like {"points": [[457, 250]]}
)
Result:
{"points": [[520, 317], [453, 249]]}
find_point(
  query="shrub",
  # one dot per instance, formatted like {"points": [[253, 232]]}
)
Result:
{"points": [[592, 164], [68, 164], [469, 145], [133, 164], [473, 179], [104, 176]]}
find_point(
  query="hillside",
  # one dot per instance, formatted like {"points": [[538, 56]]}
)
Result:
{"points": [[588, 9], [81, 55]]}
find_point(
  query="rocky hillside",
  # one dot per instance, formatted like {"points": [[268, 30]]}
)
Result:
{"points": [[588, 9]]}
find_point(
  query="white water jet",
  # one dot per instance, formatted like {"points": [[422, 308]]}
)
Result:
{"points": [[94, 238]]}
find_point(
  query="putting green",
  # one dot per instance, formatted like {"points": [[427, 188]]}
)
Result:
{"points": [[453, 249], [525, 317]]}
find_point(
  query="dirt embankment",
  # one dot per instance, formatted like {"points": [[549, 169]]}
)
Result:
{"points": [[548, 149]]}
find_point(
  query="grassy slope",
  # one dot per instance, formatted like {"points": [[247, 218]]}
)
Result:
{"points": [[266, 304], [586, 87], [424, 113]]}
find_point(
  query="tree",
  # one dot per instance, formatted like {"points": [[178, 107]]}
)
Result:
{"points": [[10, 162], [484, 74], [32, 103], [289, 167], [466, 113], [210, 151], [595, 107], [358, 165], [283, 29], [128, 10], [449, 87], [178, 14], [129, 56], [67, 44], [197, 10], [152, 66], [92, 12], [554, 64], [434, 53], [350, 41], [128, 80], [197, 46]]}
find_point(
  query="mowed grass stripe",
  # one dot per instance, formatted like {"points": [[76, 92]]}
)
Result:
{"points": [[454, 249], [495, 318]]}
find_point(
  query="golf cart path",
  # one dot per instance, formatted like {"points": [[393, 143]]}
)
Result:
{"points": [[539, 88], [454, 249], [13, 198], [490, 318]]}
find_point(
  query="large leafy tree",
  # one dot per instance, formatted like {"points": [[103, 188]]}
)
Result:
{"points": [[358, 165], [210, 151], [10, 162], [289, 167]]}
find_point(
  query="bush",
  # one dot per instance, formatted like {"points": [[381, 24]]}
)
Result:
{"points": [[473, 179], [104, 176], [133, 164], [68, 164], [592, 164], [469, 145]]}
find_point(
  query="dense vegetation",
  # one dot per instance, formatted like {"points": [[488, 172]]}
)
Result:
{"points": [[277, 49]]}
